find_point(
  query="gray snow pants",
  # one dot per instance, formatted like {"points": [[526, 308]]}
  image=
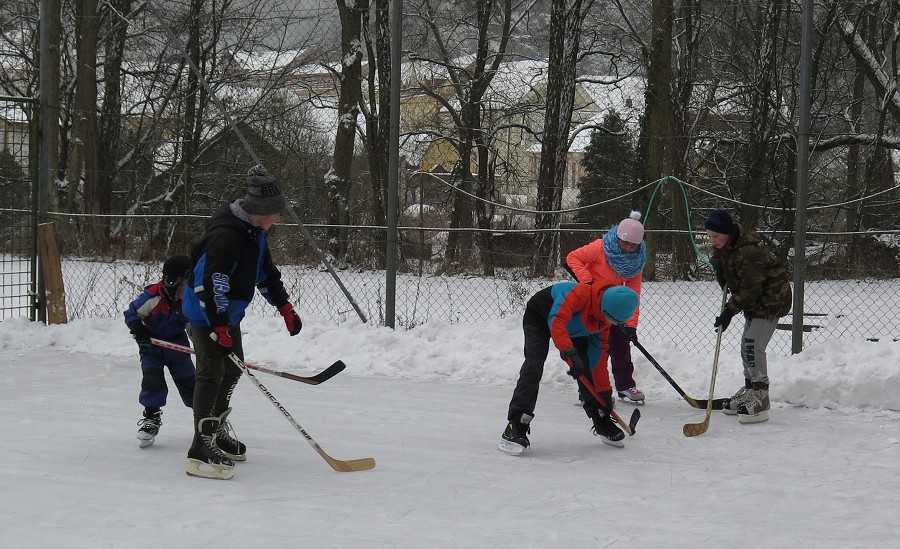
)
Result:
{"points": [[757, 334]]}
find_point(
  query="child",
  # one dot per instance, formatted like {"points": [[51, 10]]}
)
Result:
{"points": [[760, 288], [156, 313], [618, 257], [567, 313]]}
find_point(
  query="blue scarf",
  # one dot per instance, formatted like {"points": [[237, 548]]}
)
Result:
{"points": [[628, 265]]}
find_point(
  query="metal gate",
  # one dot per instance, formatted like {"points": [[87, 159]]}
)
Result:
{"points": [[18, 207]]}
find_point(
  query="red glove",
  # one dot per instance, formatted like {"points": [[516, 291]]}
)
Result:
{"points": [[291, 319], [220, 336]]}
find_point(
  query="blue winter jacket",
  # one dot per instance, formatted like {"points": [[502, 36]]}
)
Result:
{"points": [[163, 318], [231, 261]]}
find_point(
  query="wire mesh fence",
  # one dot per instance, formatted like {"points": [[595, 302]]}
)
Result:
{"points": [[843, 306]]}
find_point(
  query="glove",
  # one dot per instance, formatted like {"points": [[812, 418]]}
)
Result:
{"points": [[606, 402], [220, 336], [141, 335], [720, 277], [576, 365], [291, 319], [631, 333], [724, 319]]}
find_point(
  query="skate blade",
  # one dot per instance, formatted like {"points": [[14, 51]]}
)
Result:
{"points": [[146, 439], [749, 420], [197, 468], [510, 448], [615, 443]]}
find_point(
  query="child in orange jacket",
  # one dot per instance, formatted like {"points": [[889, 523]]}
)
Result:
{"points": [[578, 319], [618, 257]]}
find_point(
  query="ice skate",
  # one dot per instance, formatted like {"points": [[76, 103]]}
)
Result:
{"points": [[514, 440], [227, 442], [205, 459], [731, 405], [633, 395], [149, 427], [755, 407], [607, 430]]}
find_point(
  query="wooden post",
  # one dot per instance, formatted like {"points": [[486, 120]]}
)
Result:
{"points": [[51, 270]]}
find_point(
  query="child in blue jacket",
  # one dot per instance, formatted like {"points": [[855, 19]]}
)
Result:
{"points": [[156, 313]]}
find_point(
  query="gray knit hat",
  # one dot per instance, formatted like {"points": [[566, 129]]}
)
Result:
{"points": [[263, 196]]}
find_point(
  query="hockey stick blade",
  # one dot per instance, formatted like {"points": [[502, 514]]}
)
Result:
{"points": [[695, 429], [321, 377], [635, 417]]}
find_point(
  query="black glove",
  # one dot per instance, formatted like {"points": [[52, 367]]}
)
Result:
{"points": [[724, 319], [576, 365], [141, 335], [720, 277], [630, 333]]}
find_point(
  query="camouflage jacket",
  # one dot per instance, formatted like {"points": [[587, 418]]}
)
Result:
{"points": [[758, 281]]}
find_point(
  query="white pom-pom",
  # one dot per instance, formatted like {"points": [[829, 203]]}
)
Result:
{"points": [[636, 215]]}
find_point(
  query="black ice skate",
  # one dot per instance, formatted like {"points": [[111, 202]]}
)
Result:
{"points": [[205, 459], [514, 440], [607, 430], [149, 426]]}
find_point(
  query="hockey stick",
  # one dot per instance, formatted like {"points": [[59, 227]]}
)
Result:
{"points": [[322, 376], [717, 403], [695, 429], [344, 466]]}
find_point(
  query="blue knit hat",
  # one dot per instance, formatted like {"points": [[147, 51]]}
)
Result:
{"points": [[619, 303], [720, 222]]}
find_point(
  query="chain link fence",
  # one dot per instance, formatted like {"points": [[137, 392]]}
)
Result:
{"points": [[844, 306]]}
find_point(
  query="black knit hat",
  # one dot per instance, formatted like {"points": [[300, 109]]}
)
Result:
{"points": [[720, 222], [175, 270], [263, 196]]}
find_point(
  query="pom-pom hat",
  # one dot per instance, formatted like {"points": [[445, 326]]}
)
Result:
{"points": [[263, 196], [630, 228], [619, 303]]}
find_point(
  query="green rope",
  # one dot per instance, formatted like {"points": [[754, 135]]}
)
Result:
{"points": [[687, 208]]}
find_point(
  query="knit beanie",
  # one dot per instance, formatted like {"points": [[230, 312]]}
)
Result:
{"points": [[630, 228], [263, 196], [720, 222], [175, 270], [619, 303]]}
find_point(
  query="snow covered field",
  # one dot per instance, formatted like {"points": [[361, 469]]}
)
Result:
{"points": [[429, 405]]}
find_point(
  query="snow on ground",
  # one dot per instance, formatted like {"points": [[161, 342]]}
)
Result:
{"points": [[429, 405]]}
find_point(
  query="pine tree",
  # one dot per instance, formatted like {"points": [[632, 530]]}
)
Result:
{"points": [[609, 162]]}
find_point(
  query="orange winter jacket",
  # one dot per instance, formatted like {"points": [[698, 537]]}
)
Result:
{"points": [[582, 302], [589, 263]]}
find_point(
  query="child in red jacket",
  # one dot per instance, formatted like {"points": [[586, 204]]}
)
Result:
{"points": [[156, 313]]}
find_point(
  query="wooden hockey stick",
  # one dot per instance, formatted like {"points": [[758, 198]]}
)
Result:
{"points": [[695, 429]]}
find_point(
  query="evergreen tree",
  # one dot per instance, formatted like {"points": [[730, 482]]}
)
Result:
{"points": [[609, 162]]}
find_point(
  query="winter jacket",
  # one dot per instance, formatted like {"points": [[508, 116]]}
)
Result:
{"points": [[162, 317], [230, 261], [574, 311], [758, 281], [589, 263]]}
